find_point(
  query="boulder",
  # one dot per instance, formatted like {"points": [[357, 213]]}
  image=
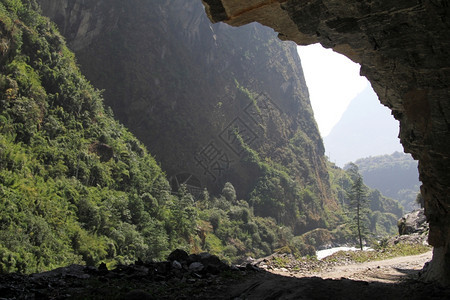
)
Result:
{"points": [[176, 265], [196, 267], [179, 255], [413, 222]]}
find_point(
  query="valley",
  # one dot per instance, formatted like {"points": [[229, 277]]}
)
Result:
{"points": [[161, 131]]}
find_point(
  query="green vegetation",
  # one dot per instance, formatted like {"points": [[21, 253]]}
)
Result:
{"points": [[287, 186], [358, 204], [394, 175], [75, 185], [229, 228], [172, 105], [382, 213]]}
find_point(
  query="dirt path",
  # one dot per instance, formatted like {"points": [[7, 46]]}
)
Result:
{"points": [[387, 279], [388, 271]]}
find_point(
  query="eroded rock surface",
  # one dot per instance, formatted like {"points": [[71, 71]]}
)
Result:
{"points": [[403, 48]]}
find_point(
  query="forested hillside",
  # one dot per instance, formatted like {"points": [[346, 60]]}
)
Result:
{"points": [[187, 88], [382, 212], [379, 214], [395, 176], [77, 187]]}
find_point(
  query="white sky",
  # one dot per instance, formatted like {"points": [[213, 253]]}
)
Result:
{"points": [[333, 81]]}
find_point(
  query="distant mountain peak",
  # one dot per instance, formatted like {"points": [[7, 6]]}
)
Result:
{"points": [[365, 129]]}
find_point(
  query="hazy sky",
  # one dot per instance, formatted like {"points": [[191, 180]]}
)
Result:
{"points": [[333, 81]]}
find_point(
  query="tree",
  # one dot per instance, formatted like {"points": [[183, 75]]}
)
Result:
{"points": [[358, 203], [184, 214], [229, 192]]}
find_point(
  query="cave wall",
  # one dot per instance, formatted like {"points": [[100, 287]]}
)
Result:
{"points": [[403, 48]]}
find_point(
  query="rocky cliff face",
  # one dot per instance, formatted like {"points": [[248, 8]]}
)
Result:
{"points": [[201, 96], [82, 21], [403, 48]]}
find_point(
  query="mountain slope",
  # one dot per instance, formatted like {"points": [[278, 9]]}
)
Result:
{"points": [[395, 176], [382, 212], [365, 129], [75, 185], [213, 103]]}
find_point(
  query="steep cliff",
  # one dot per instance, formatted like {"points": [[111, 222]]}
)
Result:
{"points": [[213, 103], [403, 48], [75, 185]]}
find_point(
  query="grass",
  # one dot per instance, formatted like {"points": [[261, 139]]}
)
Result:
{"points": [[280, 262]]}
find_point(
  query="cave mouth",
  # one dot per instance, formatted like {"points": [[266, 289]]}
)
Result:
{"points": [[403, 51]]}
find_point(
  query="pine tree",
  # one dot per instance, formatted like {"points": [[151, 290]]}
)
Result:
{"points": [[358, 203]]}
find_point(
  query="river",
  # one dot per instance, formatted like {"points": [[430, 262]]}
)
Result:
{"points": [[327, 252]]}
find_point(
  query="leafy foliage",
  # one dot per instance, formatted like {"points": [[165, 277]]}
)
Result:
{"points": [[75, 185], [229, 228], [281, 193], [382, 215]]}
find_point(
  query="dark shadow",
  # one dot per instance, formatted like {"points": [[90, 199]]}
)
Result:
{"points": [[268, 286], [159, 281]]}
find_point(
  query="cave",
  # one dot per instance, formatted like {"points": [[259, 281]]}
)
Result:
{"points": [[403, 49]]}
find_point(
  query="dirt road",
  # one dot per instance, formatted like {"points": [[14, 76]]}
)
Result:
{"points": [[389, 279], [389, 271]]}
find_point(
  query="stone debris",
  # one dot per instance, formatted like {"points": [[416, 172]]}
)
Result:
{"points": [[288, 263], [203, 273], [205, 276]]}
